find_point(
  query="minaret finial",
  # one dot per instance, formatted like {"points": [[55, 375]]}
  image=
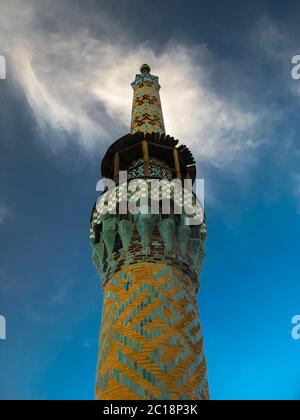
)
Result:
{"points": [[145, 69], [147, 114]]}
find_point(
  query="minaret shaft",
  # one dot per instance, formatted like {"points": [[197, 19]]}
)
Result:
{"points": [[147, 116], [151, 344]]}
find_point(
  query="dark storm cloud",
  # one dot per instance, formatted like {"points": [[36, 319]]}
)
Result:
{"points": [[78, 82]]}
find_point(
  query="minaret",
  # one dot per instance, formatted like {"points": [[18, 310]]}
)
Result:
{"points": [[151, 342]]}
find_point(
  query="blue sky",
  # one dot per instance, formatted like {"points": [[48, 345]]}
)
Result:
{"points": [[227, 92]]}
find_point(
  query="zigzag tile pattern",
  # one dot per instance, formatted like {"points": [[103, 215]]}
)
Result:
{"points": [[151, 344], [147, 114]]}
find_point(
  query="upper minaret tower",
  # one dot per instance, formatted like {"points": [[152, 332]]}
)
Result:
{"points": [[151, 343], [147, 116]]}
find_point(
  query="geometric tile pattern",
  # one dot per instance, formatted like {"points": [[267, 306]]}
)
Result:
{"points": [[151, 343], [119, 240], [157, 169], [147, 114]]}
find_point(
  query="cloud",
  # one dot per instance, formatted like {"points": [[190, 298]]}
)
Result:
{"points": [[78, 84], [280, 44], [271, 38]]}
